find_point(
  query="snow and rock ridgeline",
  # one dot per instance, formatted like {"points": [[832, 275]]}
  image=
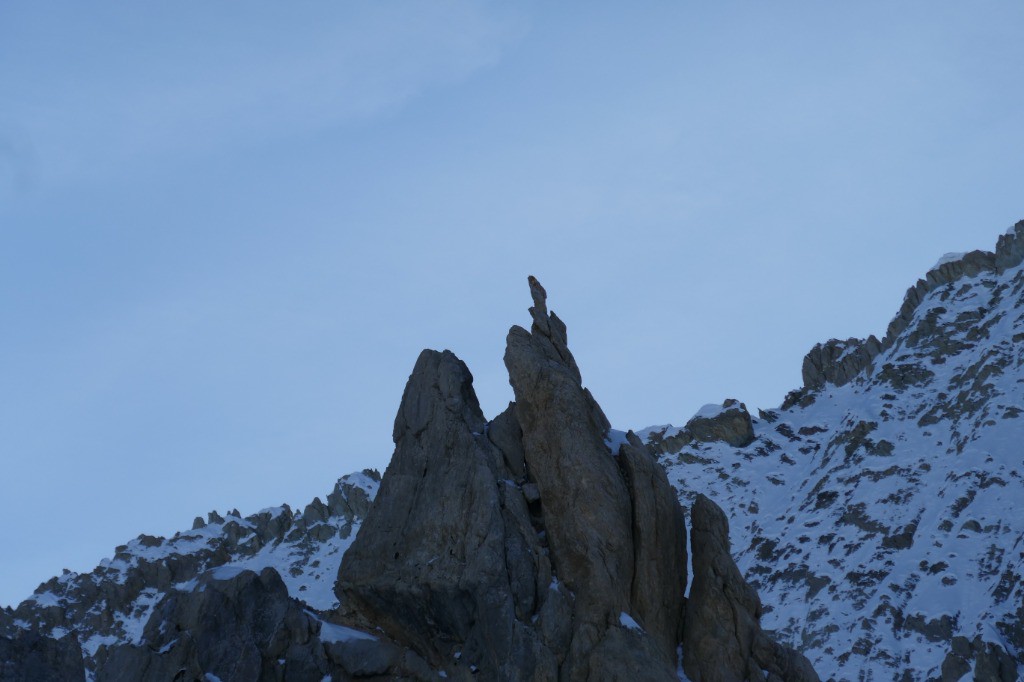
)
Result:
{"points": [[112, 604], [877, 513]]}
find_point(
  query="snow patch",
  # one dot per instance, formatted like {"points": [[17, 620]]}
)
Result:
{"points": [[330, 633], [45, 599], [134, 622], [227, 572], [614, 439], [948, 258], [92, 645], [711, 410], [679, 665], [361, 480], [274, 512], [626, 621]]}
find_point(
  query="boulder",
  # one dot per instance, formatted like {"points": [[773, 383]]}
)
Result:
{"points": [[729, 423]]}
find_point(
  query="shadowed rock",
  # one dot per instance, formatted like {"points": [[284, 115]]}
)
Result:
{"points": [[659, 542], [28, 656], [730, 424], [236, 626], [525, 546], [447, 560], [722, 638], [605, 515], [838, 362]]}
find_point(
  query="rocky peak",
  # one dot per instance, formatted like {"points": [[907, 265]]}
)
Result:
{"points": [[838, 362], [729, 423], [525, 547], [449, 562], [540, 545], [878, 519]]}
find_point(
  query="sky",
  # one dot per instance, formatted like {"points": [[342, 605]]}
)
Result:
{"points": [[227, 231]]}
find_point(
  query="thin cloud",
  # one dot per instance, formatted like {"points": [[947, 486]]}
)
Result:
{"points": [[363, 62]]}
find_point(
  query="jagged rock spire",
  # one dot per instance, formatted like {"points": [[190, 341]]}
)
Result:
{"points": [[526, 547], [587, 500]]}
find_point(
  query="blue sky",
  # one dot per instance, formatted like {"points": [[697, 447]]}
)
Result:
{"points": [[226, 231]]}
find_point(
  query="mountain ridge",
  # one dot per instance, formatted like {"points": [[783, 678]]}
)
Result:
{"points": [[905, 453], [894, 462]]}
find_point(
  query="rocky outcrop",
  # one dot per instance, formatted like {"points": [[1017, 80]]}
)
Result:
{"points": [[587, 501], [448, 561], [237, 625], [722, 638], [967, 265], [28, 656], [526, 547], [989, 661], [837, 362], [113, 603], [729, 423], [522, 548]]}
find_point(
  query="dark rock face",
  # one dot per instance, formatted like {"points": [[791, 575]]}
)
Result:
{"points": [[586, 498], [537, 546], [450, 563], [722, 640], [732, 425], [239, 626], [525, 548], [991, 662], [31, 657], [113, 603], [472, 562], [837, 362]]}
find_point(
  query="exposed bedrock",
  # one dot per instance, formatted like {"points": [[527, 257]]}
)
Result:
{"points": [[235, 626], [590, 498], [523, 548], [723, 640], [839, 362], [31, 657], [447, 560], [730, 424]]}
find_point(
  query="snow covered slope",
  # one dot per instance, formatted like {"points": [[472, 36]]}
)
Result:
{"points": [[880, 511], [112, 604]]}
